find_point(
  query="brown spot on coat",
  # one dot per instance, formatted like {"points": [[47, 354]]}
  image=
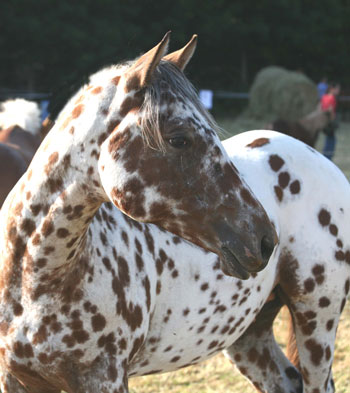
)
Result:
{"points": [[279, 193], [52, 160], [316, 351], [333, 229], [258, 142], [98, 322], [97, 90], [324, 217], [28, 226], [77, 111], [116, 80], [324, 302], [309, 285], [283, 179], [295, 187], [276, 162], [339, 255]]}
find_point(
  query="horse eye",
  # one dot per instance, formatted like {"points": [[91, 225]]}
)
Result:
{"points": [[179, 142]]}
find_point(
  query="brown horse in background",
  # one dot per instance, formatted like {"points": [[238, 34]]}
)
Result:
{"points": [[24, 141], [305, 129], [13, 165], [17, 148]]}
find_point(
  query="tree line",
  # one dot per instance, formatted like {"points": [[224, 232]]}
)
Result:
{"points": [[53, 45]]}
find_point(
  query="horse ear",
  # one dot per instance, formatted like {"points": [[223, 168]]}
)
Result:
{"points": [[140, 73], [182, 56]]}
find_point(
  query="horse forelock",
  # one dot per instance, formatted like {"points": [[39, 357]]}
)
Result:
{"points": [[167, 78], [168, 84]]}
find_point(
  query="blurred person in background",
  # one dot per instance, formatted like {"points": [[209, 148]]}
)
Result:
{"points": [[329, 104], [322, 87]]}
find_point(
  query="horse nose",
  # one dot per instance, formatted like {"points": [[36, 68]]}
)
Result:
{"points": [[243, 253], [267, 246]]}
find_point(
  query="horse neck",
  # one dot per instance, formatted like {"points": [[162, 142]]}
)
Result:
{"points": [[24, 139], [50, 209], [49, 215], [314, 121]]}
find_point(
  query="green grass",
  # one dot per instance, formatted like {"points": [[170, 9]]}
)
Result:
{"points": [[217, 374]]}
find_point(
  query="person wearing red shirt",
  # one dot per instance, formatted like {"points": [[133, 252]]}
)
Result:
{"points": [[329, 104]]}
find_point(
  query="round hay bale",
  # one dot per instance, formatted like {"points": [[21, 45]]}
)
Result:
{"points": [[279, 93]]}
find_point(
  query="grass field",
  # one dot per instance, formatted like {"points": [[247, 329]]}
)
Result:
{"points": [[217, 374]]}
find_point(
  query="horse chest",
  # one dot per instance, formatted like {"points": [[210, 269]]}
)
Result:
{"points": [[197, 314]]}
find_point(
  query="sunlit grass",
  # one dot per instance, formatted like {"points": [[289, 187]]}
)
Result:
{"points": [[219, 376]]}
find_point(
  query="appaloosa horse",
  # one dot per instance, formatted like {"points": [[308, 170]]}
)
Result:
{"points": [[88, 292], [308, 200]]}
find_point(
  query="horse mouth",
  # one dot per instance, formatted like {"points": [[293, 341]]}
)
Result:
{"points": [[231, 266]]}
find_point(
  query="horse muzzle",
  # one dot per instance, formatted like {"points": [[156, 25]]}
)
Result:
{"points": [[239, 258]]}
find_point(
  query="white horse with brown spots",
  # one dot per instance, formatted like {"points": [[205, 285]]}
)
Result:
{"points": [[198, 311], [308, 199], [87, 292], [91, 297]]}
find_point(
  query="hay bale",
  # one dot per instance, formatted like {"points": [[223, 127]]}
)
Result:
{"points": [[279, 93], [276, 93]]}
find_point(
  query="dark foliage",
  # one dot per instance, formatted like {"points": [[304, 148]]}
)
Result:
{"points": [[52, 46]]}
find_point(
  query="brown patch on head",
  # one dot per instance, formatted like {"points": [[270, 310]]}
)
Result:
{"points": [[133, 83], [62, 232], [131, 103], [258, 142], [247, 197]]}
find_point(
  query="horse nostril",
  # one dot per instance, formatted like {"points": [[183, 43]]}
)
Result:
{"points": [[267, 246]]}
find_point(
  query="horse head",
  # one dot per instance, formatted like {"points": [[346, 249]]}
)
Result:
{"points": [[163, 163]]}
